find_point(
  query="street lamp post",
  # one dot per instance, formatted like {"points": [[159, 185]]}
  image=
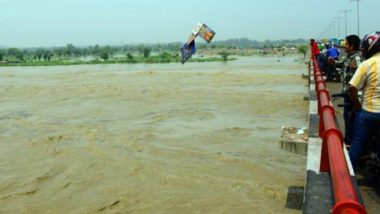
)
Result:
{"points": [[357, 7], [338, 23], [333, 28], [330, 30], [345, 19]]}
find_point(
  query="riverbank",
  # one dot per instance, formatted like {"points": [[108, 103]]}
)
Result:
{"points": [[135, 60], [53, 57]]}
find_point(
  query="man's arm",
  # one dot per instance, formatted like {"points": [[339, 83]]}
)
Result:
{"points": [[354, 63], [337, 63], [355, 97]]}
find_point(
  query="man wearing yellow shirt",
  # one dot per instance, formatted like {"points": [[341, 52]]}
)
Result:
{"points": [[366, 77]]}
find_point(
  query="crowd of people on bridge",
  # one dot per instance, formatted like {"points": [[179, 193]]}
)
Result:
{"points": [[359, 71]]}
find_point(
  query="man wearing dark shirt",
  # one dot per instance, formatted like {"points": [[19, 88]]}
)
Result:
{"points": [[349, 65]]}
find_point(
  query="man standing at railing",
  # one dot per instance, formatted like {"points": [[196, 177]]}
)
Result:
{"points": [[367, 77], [349, 65], [315, 50]]}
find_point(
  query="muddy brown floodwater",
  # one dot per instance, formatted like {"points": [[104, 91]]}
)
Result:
{"points": [[157, 138]]}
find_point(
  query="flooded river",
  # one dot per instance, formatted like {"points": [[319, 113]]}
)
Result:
{"points": [[156, 138]]}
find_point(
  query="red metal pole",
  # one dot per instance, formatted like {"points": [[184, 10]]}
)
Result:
{"points": [[318, 79], [346, 200], [320, 86], [328, 118], [324, 99]]}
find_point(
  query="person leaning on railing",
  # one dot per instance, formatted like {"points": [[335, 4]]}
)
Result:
{"points": [[332, 55], [367, 113]]}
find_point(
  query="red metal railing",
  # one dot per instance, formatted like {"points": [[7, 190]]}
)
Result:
{"points": [[332, 157]]}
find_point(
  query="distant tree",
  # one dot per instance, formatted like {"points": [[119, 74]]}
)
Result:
{"points": [[47, 55], [59, 52], [16, 53], [85, 51], [26, 54], [202, 46], [71, 50], [110, 50], [165, 55], [104, 55], [1, 55], [147, 51], [176, 56], [39, 53], [224, 55], [303, 50], [96, 50], [129, 56]]}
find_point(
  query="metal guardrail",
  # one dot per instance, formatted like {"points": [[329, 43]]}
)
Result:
{"points": [[333, 159]]}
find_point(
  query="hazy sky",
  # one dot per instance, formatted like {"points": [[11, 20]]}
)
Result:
{"points": [[31, 23]]}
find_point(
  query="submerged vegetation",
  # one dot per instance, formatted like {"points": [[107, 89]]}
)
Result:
{"points": [[153, 53]]}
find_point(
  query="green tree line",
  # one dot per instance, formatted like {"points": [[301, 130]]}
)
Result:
{"points": [[166, 52], [74, 52]]}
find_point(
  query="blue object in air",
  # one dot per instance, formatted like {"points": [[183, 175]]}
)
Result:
{"points": [[187, 51]]}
